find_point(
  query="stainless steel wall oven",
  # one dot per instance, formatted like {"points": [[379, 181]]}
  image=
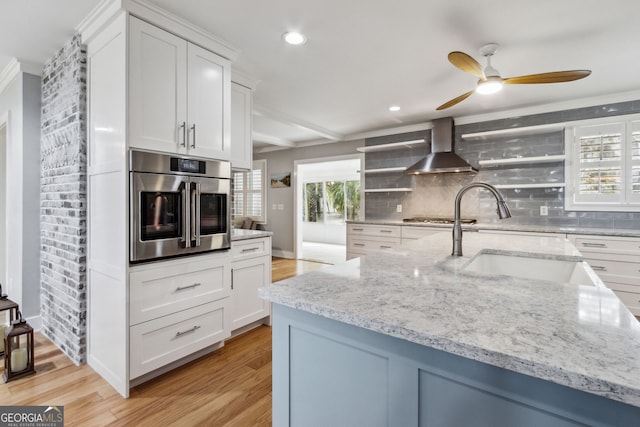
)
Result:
{"points": [[178, 205]]}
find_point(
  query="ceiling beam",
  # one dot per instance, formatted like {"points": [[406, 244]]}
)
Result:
{"points": [[287, 119], [273, 140]]}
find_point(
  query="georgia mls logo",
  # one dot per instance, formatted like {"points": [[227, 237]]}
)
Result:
{"points": [[31, 416]]}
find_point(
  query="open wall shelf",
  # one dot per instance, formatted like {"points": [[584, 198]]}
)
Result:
{"points": [[391, 146], [525, 130], [523, 160]]}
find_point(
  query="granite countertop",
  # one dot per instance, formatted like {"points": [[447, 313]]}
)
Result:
{"points": [[580, 336], [513, 227], [242, 234]]}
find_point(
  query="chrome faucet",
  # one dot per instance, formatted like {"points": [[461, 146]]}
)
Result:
{"points": [[503, 212]]}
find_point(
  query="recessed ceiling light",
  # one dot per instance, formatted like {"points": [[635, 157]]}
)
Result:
{"points": [[294, 38], [394, 108]]}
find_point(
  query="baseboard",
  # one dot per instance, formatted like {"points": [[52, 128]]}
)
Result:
{"points": [[35, 322], [283, 254]]}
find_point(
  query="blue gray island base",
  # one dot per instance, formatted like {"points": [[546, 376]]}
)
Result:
{"points": [[329, 373]]}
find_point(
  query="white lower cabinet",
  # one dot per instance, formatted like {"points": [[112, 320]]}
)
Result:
{"points": [[158, 342], [364, 239], [617, 261], [250, 270], [177, 308]]}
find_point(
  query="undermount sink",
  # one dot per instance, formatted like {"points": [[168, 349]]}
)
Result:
{"points": [[556, 270]]}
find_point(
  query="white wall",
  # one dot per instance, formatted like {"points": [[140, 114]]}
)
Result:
{"points": [[20, 102], [3, 192], [282, 222]]}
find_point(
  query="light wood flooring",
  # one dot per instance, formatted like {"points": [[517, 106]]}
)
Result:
{"points": [[230, 387]]}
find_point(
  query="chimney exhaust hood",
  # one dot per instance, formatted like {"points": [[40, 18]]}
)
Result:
{"points": [[442, 159]]}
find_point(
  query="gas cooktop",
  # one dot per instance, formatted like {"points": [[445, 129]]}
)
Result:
{"points": [[428, 220]]}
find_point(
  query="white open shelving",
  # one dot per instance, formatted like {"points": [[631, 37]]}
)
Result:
{"points": [[523, 160], [534, 185], [391, 146], [525, 130], [385, 170], [387, 190]]}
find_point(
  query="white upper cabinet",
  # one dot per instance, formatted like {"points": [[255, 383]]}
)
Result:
{"points": [[179, 95], [241, 142]]}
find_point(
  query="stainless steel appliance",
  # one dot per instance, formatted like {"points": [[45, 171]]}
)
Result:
{"points": [[178, 205]]}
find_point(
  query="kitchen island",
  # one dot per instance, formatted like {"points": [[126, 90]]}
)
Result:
{"points": [[410, 337]]}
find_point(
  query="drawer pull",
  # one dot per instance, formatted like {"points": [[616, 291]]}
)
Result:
{"points": [[386, 231], [182, 288], [385, 247], [358, 244], [188, 331], [594, 245], [250, 249], [357, 229], [598, 268]]}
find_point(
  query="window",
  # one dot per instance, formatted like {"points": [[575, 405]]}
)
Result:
{"points": [[331, 202], [603, 165], [249, 192]]}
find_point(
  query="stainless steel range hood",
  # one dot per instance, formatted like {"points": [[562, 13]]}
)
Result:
{"points": [[442, 159]]}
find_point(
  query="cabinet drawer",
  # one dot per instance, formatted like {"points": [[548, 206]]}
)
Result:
{"points": [[250, 248], [164, 290], [373, 230], [365, 246], [161, 341], [598, 244], [630, 300], [607, 267]]}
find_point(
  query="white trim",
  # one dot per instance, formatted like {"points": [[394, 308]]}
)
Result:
{"points": [[107, 10], [244, 79], [4, 123], [552, 107], [297, 185], [283, 254], [257, 136], [35, 322], [10, 72]]}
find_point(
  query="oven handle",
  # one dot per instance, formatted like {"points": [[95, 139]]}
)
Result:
{"points": [[185, 238], [195, 212]]}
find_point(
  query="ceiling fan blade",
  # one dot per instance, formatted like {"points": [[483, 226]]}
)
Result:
{"points": [[454, 101], [553, 77], [466, 64]]}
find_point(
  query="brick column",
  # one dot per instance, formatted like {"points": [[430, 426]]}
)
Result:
{"points": [[63, 196]]}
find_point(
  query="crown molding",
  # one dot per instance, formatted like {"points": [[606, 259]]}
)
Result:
{"points": [[15, 68], [107, 10], [551, 107], [244, 79]]}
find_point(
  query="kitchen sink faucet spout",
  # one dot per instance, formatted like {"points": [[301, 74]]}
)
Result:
{"points": [[503, 212]]}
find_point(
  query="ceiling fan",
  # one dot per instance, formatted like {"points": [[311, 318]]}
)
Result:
{"points": [[489, 78]]}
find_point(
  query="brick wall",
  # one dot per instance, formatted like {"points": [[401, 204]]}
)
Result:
{"points": [[63, 200]]}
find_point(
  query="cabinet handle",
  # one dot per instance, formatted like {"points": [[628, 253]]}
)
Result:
{"points": [[594, 245], [182, 288], [385, 247], [598, 268], [188, 331], [386, 231], [250, 249], [193, 128], [357, 229], [183, 126], [358, 244], [232, 279]]}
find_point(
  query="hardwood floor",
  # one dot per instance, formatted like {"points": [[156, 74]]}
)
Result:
{"points": [[230, 387]]}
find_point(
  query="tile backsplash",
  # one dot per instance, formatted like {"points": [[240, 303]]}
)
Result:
{"points": [[434, 195]]}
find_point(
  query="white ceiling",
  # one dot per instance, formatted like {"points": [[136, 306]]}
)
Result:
{"points": [[364, 55]]}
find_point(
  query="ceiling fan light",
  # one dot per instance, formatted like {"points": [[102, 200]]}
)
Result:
{"points": [[489, 86]]}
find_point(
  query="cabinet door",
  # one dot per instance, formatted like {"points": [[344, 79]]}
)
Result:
{"points": [[157, 88], [247, 276], [208, 104], [241, 142]]}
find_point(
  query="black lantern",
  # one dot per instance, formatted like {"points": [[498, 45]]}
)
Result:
{"points": [[18, 353], [6, 305]]}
